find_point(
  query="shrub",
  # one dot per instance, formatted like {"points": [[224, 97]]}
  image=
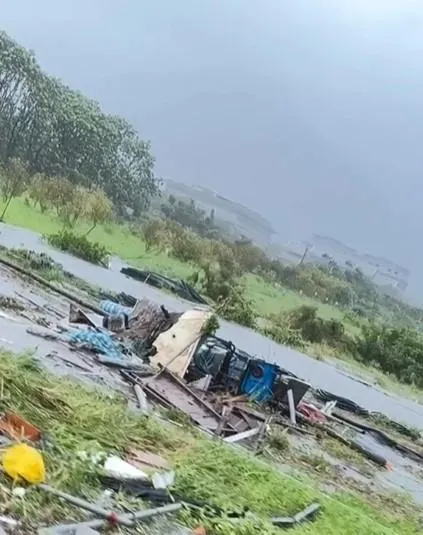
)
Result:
{"points": [[278, 440], [186, 246], [250, 257], [237, 308], [211, 326], [395, 351], [211, 282], [177, 241], [79, 246], [305, 320], [302, 325], [281, 333], [151, 233]]}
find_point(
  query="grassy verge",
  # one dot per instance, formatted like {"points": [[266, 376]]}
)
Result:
{"points": [[117, 238], [372, 375], [369, 374], [50, 270], [76, 418], [271, 298]]}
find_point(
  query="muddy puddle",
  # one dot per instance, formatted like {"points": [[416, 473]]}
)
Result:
{"points": [[339, 468], [405, 474], [320, 374]]}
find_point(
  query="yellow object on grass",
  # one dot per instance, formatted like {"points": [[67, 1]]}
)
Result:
{"points": [[24, 461]]}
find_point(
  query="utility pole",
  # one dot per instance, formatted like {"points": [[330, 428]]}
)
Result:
{"points": [[304, 255]]}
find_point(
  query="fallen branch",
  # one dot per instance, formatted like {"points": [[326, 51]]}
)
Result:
{"points": [[378, 459]]}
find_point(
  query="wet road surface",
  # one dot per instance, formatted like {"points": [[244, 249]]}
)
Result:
{"points": [[42, 309]]}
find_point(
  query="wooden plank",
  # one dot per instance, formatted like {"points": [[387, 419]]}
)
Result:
{"points": [[226, 412], [291, 405], [176, 393], [176, 346], [242, 436]]}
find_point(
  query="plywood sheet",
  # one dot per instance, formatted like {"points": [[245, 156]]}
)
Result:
{"points": [[176, 347]]}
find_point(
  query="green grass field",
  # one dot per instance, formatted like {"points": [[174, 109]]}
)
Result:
{"points": [[120, 241], [271, 298]]}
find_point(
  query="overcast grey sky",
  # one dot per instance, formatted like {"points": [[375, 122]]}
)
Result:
{"points": [[309, 111]]}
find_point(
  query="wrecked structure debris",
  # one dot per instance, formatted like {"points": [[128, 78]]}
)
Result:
{"points": [[168, 360], [171, 361], [176, 394], [192, 372]]}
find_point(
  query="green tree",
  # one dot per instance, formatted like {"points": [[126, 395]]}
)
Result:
{"points": [[75, 208], [68, 201], [250, 257], [39, 191], [14, 181], [98, 208], [60, 132]]}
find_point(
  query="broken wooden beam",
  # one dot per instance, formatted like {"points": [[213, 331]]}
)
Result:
{"points": [[291, 405], [242, 436]]}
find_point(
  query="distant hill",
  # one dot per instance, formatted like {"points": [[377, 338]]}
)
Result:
{"points": [[242, 220], [382, 271], [238, 220]]}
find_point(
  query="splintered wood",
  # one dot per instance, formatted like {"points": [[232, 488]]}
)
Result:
{"points": [[181, 397]]}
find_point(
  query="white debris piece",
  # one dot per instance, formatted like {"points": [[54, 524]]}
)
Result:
{"points": [[117, 467]]}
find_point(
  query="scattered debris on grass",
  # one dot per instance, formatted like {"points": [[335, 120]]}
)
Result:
{"points": [[207, 418]]}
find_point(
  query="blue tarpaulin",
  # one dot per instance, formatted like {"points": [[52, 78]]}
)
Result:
{"points": [[110, 350]]}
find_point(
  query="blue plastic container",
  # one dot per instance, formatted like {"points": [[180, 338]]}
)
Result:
{"points": [[259, 379], [114, 309]]}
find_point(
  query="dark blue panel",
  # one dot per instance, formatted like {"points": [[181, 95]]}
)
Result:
{"points": [[259, 380]]}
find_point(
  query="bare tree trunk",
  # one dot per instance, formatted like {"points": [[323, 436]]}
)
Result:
{"points": [[91, 229], [6, 207]]}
